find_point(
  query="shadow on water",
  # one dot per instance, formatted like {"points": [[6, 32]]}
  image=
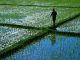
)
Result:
{"points": [[47, 47]]}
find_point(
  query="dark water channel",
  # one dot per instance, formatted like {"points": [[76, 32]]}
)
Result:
{"points": [[50, 47]]}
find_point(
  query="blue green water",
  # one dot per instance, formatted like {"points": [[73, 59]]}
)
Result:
{"points": [[50, 47]]}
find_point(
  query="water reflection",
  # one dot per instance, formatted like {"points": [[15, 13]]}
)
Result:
{"points": [[50, 47], [53, 38]]}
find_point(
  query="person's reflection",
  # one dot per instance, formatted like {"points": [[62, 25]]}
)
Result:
{"points": [[53, 38]]}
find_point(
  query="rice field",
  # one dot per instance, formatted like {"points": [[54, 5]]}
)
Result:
{"points": [[74, 3], [72, 26], [34, 16]]}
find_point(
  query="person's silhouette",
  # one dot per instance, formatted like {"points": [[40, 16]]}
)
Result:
{"points": [[53, 15]]}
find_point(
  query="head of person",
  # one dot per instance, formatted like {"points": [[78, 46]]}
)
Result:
{"points": [[53, 9]]}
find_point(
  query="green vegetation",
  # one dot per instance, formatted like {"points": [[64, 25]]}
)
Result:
{"points": [[30, 16], [34, 16], [72, 26], [43, 2]]}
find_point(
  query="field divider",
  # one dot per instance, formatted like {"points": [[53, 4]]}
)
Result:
{"points": [[66, 21], [45, 31], [21, 26], [41, 28], [43, 6], [20, 44]]}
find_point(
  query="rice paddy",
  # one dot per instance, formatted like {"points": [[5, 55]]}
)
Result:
{"points": [[34, 14]]}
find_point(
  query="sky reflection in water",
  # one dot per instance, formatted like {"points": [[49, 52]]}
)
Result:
{"points": [[51, 47]]}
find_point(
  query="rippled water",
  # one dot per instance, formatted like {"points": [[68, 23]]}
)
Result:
{"points": [[50, 47]]}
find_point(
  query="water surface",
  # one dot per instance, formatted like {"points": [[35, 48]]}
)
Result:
{"points": [[50, 47]]}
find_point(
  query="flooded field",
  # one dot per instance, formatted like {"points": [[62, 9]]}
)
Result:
{"points": [[49, 47], [26, 34]]}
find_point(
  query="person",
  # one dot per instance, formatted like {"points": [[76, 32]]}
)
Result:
{"points": [[53, 15]]}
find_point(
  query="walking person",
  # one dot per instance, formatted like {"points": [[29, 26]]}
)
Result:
{"points": [[53, 15]]}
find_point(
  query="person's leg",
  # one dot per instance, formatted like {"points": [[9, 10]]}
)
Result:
{"points": [[54, 24]]}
